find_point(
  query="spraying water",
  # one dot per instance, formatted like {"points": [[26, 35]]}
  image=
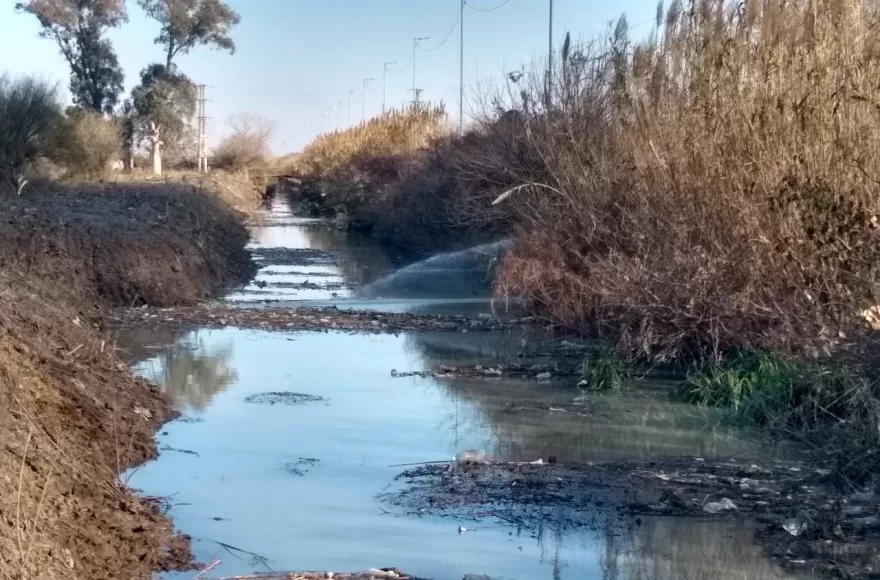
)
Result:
{"points": [[465, 273]]}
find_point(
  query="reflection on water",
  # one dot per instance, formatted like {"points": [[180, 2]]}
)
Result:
{"points": [[664, 549], [191, 372], [330, 519]]}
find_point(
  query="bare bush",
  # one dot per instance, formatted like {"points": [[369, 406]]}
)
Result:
{"points": [[247, 145], [29, 111], [87, 143]]}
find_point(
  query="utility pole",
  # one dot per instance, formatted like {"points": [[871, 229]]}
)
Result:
{"points": [[350, 93], [461, 75], [415, 46], [364, 99], [203, 131], [548, 97], [384, 77]]}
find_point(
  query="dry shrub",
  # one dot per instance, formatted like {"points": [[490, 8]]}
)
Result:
{"points": [[86, 143], [247, 145], [378, 146], [711, 188], [29, 112]]}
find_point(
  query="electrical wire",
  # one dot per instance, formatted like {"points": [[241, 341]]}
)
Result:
{"points": [[477, 9], [448, 35]]}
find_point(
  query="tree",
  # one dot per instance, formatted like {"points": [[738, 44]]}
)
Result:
{"points": [[164, 104], [247, 143], [187, 23], [78, 27], [29, 113]]}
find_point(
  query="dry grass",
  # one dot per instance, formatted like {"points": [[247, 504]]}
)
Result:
{"points": [[713, 187], [378, 145]]}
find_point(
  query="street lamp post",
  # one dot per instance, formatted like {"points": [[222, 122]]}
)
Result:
{"points": [[415, 46]]}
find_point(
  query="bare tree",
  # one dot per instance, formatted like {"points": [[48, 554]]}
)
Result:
{"points": [[247, 143], [187, 23], [78, 27]]}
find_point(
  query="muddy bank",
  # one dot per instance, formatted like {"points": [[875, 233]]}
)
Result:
{"points": [[804, 523], [72, 415], [139, 244], [302, 318]]}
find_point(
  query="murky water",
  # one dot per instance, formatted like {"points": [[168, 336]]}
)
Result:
{"points": [[295, 482]]}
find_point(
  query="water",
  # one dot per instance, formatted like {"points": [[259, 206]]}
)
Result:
{"points": [[297, 484]]}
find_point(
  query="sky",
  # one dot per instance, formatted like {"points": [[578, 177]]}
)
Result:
{"points": [[296, 60]]}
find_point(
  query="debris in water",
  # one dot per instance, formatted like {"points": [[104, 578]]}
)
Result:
{"points": [[186, 451], [282, 398], [725, 505], [300, 466], [462, 529], [795, 526], [545, 376]]}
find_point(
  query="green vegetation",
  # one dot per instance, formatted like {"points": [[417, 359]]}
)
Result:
{"points": [[78, 28], [604, 370]]}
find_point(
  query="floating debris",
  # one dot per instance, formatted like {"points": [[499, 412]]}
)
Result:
{"points": [[282, 398], [300, 467]]}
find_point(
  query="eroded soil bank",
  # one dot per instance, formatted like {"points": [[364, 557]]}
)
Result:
{"points": [[72, 416]]}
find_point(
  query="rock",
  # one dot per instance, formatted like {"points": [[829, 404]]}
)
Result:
{"points": [[725, 505]]}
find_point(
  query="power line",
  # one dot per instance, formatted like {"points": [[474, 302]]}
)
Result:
{"points": [[478, 9], [446, 38]]}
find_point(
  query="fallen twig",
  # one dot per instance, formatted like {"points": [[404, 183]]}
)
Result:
{"points": [[207, 569]]}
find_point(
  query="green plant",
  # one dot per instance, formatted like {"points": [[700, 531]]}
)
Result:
{"points": [[604, 370], [758, 387]]}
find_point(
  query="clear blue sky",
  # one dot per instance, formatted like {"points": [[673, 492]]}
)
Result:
{"points": [[297, 58]]}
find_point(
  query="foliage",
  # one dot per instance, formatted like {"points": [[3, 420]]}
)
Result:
{"points": [[86, 143], [77, 27], [604, 370], [187, 23], [163, 105], [29, 111], [247, 144]]}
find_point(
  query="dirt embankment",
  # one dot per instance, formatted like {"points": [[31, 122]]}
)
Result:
{"points": [[72, 416]]}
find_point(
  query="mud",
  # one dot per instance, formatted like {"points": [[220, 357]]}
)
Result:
{"points": [[803, 523], [73, 418], [302, 318]]}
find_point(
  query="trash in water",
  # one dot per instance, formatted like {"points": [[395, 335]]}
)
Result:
{"points": [[462, 529], [545, 376], [282, 398], [472, 456], [795, 526], [538, 461], [725, 505]]}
